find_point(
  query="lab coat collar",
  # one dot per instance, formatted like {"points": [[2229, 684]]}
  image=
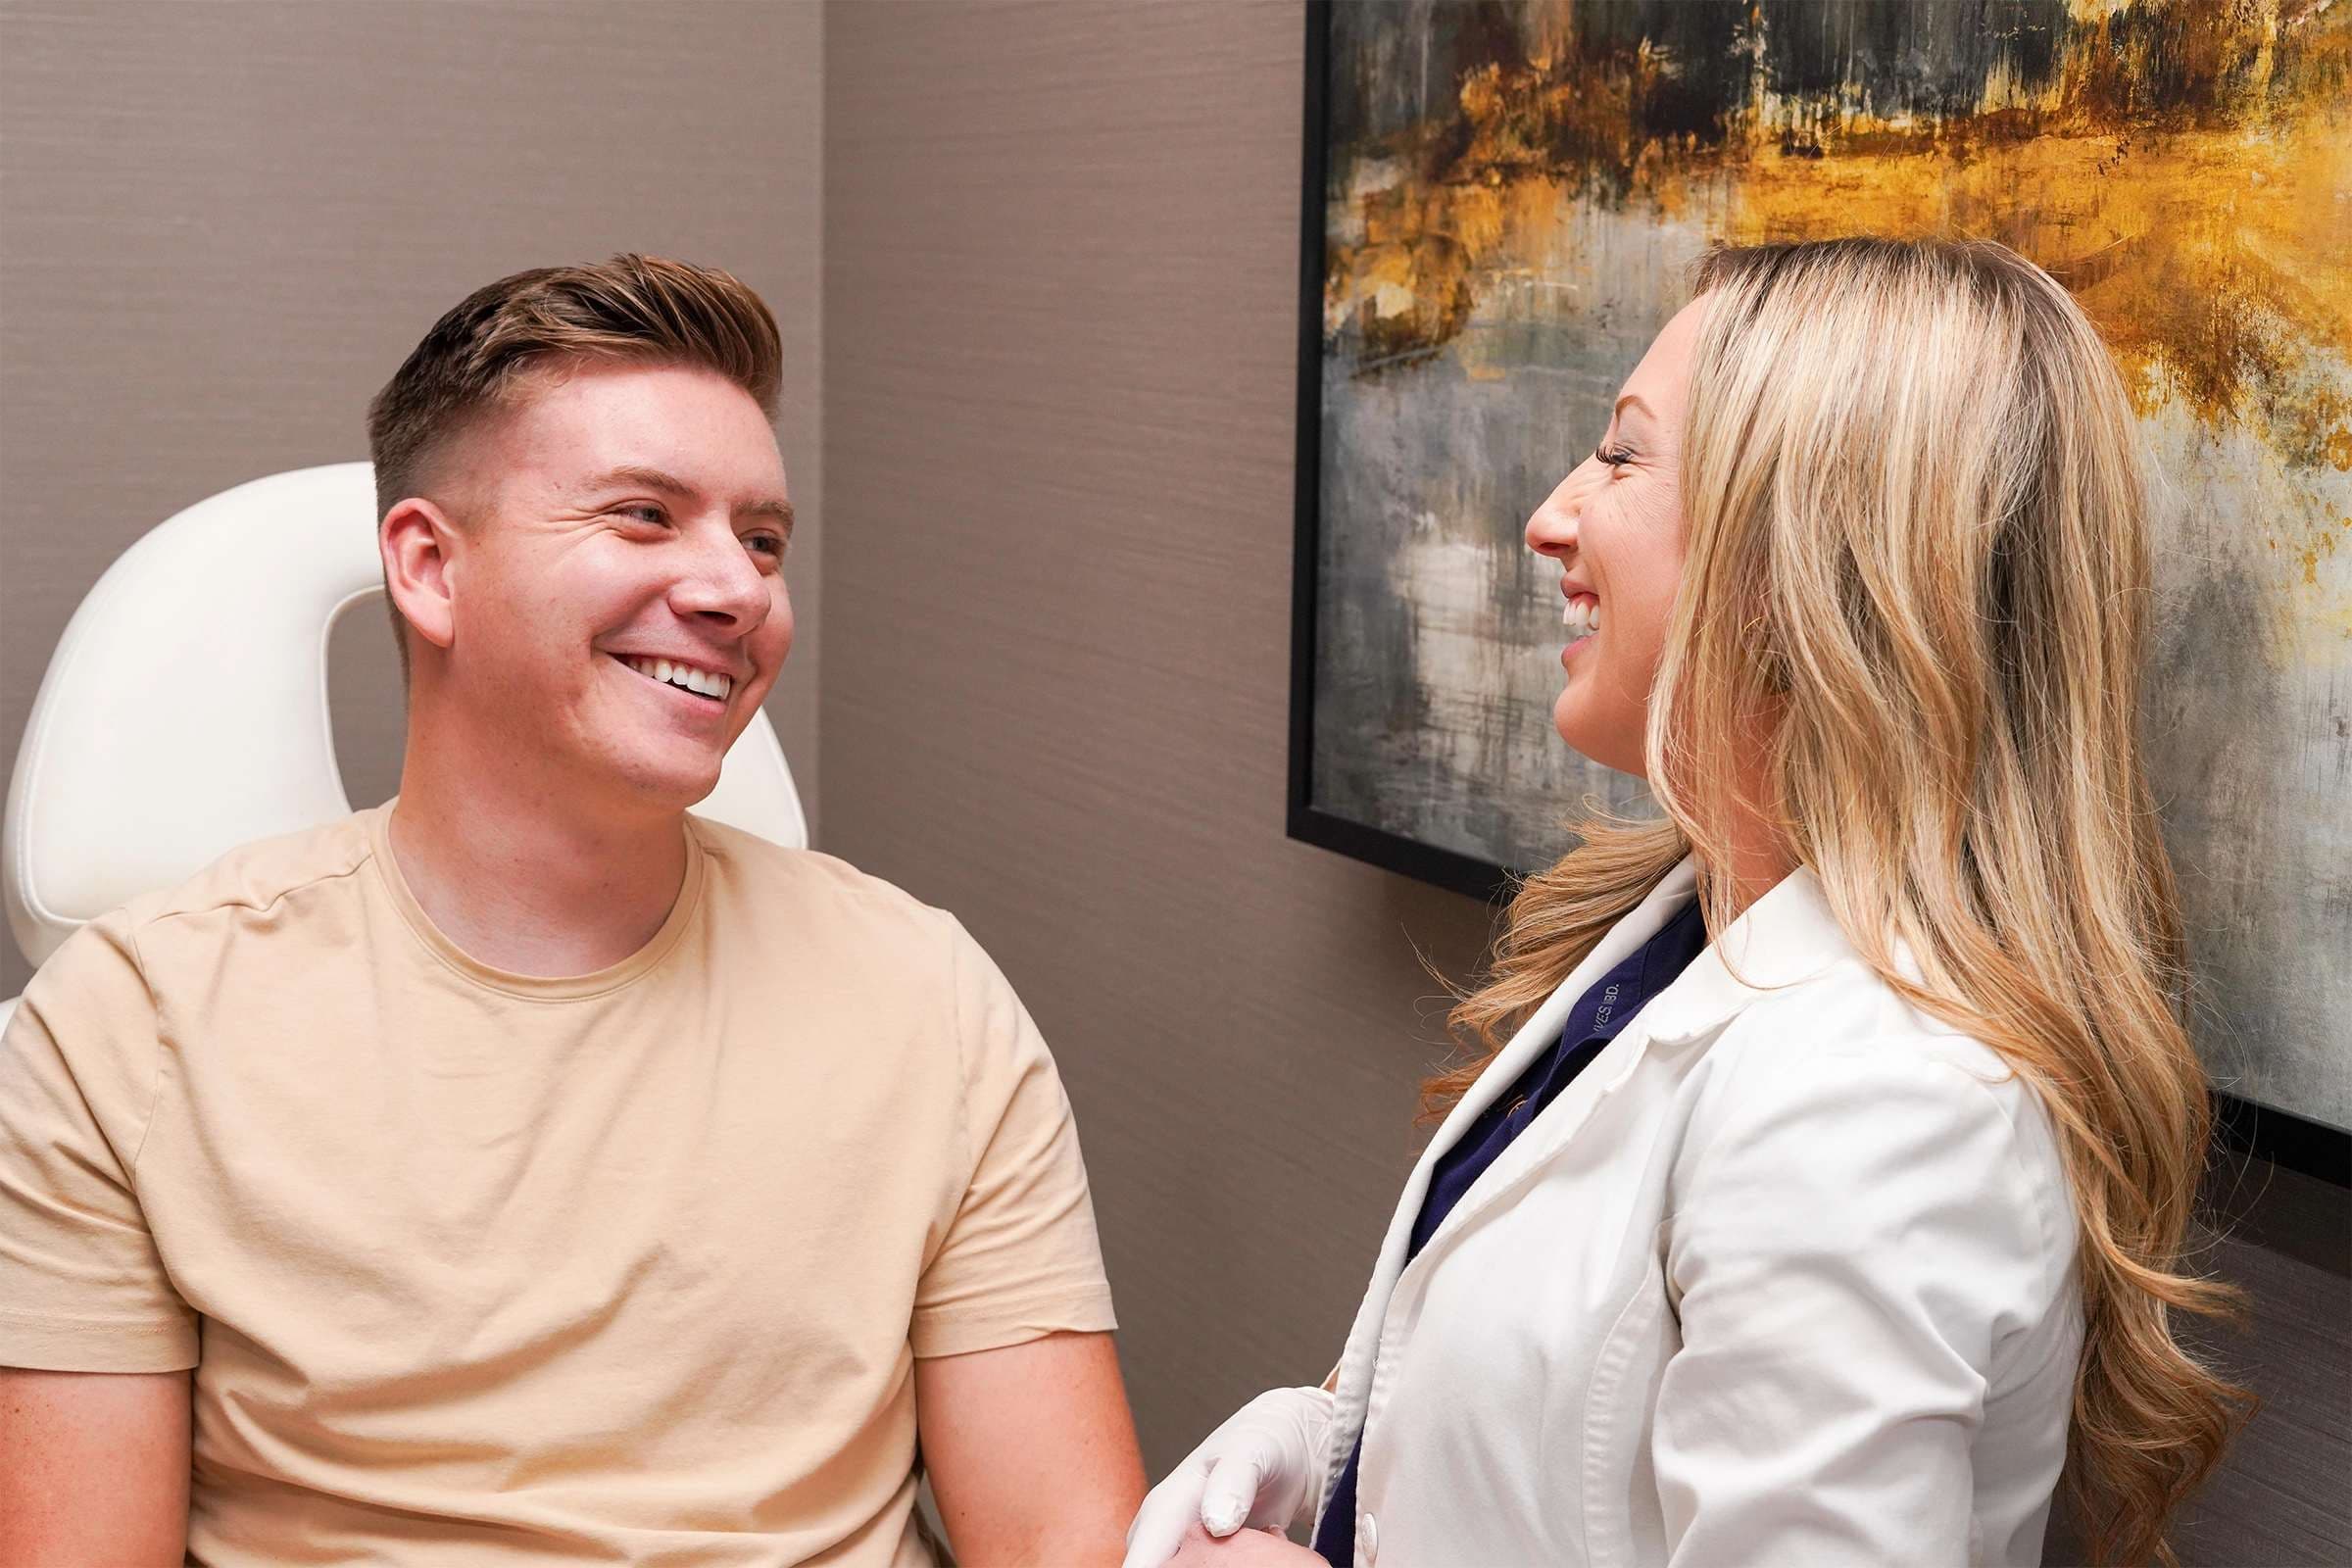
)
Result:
{"points": [[1786, 936], [1536, 1035]]}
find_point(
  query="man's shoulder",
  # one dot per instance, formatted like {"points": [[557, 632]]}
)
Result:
{"points": [[809, 882], [252, 879], [110, 963]]}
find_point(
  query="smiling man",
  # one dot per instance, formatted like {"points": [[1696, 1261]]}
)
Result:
{"points": [[527, 1170]]}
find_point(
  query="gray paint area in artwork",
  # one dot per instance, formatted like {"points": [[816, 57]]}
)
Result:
{"points": [[2249, 708], [1438, 631]]}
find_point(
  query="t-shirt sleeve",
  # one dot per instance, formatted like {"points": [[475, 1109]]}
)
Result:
{"points": [[1020, 1259], [82, 1287]]}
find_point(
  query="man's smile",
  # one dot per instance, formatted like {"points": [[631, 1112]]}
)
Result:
{"points": [[710, 684]]}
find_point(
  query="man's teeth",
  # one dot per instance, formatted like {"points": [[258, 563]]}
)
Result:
{"points": [[1581, 616], [705, 682]]}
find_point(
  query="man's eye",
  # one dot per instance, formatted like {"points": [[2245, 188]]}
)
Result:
{"points": [[765, 544], [647, 511]]}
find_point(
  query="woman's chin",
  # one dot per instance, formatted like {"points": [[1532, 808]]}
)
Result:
{"points": [[1570, 723], [1593, 739]]}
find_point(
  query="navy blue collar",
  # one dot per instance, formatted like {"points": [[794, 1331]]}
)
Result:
{"points": [[1610, 1004]]}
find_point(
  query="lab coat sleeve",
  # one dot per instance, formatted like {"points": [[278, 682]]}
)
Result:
{"points": [[1850, 1250]]}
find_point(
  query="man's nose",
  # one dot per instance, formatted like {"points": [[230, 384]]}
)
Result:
{"points": [[724, 583]]}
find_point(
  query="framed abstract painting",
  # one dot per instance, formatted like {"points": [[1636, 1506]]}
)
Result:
{"points": [[1502, 200]]}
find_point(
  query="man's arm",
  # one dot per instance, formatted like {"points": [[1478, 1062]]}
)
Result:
{"points": [[1031, 1451], [93, 1468], [95, 1344]]}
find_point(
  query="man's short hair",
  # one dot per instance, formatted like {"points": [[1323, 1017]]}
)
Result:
{"points": [[477, 359]]}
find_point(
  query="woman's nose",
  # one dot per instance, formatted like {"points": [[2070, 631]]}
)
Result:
{"points": [[1552, 528]]}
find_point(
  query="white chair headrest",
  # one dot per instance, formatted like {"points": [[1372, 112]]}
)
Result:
{"points": [[185, 709]]}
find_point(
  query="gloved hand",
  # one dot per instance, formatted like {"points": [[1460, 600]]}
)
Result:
{"points": [[1258, 1469]]}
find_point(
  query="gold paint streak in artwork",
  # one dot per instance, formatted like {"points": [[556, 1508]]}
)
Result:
{"points": [[2191, 241]]}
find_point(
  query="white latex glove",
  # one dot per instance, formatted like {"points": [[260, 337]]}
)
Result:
{"points": [[1258, 1469]]}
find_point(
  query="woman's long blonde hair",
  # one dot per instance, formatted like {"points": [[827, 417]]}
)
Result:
{"points": [[1917, 569]]}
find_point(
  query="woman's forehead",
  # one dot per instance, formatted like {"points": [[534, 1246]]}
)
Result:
{"points": [[1665, 368]]}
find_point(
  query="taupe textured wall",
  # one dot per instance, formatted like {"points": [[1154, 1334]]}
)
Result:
{"points": [[1061, 242], [223, 224]]}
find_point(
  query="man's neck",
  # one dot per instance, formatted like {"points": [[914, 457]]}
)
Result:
{"points": [[529, 890]]}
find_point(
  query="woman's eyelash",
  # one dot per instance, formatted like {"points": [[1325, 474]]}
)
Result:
{"points": [[1614, 457]]}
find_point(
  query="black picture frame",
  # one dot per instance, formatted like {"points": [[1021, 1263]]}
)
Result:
{"points": [[1424, 863], [2248, 1127]]}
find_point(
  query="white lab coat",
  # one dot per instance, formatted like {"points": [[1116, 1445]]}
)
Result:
{"points": [[1785, 1276]]}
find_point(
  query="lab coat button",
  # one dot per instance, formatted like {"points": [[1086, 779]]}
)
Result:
{"points": [[1367, 1540]]}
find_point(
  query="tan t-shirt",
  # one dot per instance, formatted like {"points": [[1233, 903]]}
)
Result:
{"points": [[485, 1269]]}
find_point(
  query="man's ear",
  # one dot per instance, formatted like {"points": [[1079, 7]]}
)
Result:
{"points": [[420, 547]]}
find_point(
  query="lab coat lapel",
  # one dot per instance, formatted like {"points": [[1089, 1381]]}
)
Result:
{"points": [[1542, 1027], [1558, 1123], [1533, 1037]]}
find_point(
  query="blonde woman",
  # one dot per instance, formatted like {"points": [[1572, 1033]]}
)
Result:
{"points": [[1824, 1178]]}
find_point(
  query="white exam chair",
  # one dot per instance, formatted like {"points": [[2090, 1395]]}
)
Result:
{"points": [[185, 709]]}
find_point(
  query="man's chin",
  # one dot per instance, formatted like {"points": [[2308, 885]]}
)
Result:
{"points": [[671, 783], [687, 793]]}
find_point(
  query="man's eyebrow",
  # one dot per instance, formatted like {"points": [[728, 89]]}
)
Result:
{"points": [[777, 512], [635, 474]]}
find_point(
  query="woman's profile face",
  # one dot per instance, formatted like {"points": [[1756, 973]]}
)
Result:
{"points": [[1615, 526]]}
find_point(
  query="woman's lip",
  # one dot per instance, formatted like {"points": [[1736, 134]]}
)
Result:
{"points": [[1569, 652]]}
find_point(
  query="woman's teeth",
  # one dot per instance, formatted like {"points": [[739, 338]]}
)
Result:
{"points": [[1582, 618], [702, 682]]}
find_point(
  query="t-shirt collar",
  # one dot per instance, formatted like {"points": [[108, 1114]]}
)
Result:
{"points": [[534, 987]]}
